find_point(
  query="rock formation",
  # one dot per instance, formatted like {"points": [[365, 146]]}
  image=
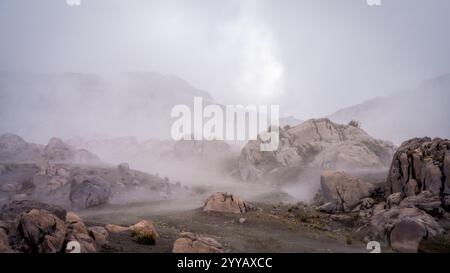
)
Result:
{"points": [[342, 192], [189, 242], [316, 143], [421, 164]]}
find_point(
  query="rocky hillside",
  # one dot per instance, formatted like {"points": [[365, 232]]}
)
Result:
{"points": [[315, 144], [81, 186], [14, 149]]}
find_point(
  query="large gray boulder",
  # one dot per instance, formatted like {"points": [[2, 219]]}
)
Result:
{"points": [[89, 191], [404, 228], [421, 164], [343, 192]]}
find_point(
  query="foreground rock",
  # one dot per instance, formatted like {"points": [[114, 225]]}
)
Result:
{"points": [[404, 228], [224, 202], [342, 193], [144, 232], [34, 227], [40, 231], [192, 243], [421, 164]]}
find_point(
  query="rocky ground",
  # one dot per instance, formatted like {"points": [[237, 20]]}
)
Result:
{"points": [[61, 205]]}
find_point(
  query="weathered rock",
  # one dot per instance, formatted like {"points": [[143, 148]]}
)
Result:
{"points": [[343, 191], [89, 191], [40, 231], [224, 202], [420, 164], [394, 199], [192, 243], [406, 235], [144, 232], [315, 144], [75, 224], [412, 188], [115, 228], [99, 234], [77, 231], [377, 208], [426, 200], [327, 207], [13, 209], [390, 225]]}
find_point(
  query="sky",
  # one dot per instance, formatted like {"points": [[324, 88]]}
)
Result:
{"points": [[311, 57]]}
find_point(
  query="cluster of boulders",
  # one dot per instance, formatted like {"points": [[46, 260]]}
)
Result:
{"points": [[78, 187], [32, 227], [415, 196], [315, 143]]}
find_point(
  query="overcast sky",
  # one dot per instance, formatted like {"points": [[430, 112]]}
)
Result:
{"points": [[313, 57]]}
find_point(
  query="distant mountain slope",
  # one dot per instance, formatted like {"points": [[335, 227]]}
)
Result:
{"points": [[423, 111], [40, 106]]}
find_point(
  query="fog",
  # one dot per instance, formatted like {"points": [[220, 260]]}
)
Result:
{"points": [[312, 57]]}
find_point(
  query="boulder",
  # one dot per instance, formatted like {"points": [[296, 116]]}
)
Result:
{"points": [[189, 242], [406, 235], [403, 228], [77, 231], [343, 191], [144, 232], [99, 234], [421, 164], [224, 202], [40, 231], [89, 191]]}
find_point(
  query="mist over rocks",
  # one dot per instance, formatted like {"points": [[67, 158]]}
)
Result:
{"points": [[315, 144], [14, 149]]}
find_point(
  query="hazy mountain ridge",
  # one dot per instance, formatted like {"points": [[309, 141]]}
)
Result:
{"points": [[420, 112]]}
